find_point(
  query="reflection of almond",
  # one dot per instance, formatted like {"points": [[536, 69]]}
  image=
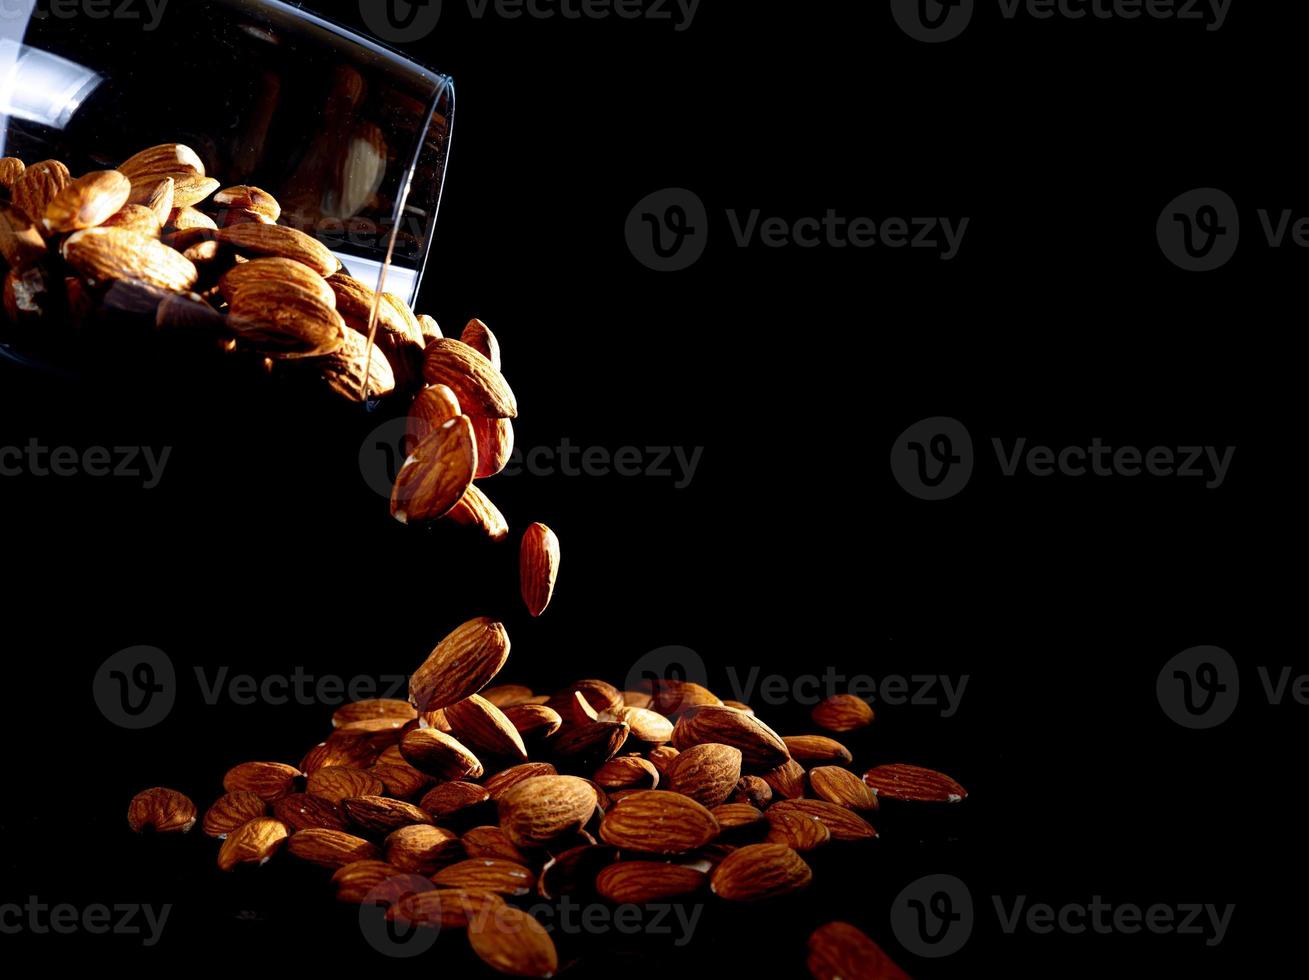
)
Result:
{"points": [[839, 951], [511, 941]]}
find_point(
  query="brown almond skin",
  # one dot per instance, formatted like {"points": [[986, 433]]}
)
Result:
{"points": [[103, 255], [670, 698], [381, 814], [346, 370], [284, 320], [643, 882], [448, 799], [275, 240], [759, 872], [844, 824], [166, 158], [445, 908], [592, 744], [431, 329], [491, 842], [423, 849], [432, 407], [487, 874], [484, 728], [914, 783], [21, 242], [157, 194], [658, 822], [300, 811], [476, 509], [842, 713], [842, 787], [543, 809], [247, 198], [275, 269], [646, 725], [11, 168], [439, 755], [38, 185], [376, 883], [761, 747], [480, 388], [165, 811], [136, 218], [270, 780], [331, 848], [600, 696], [356, 753], [254, 842], [231, 810], [706, 773], [839, 951], [462, 664], [370, 708], [816, 748], [505, 780], [731, 816], [510, 941], [495, 445], [336, 783], [437, 474], [538, 567], [787, 780], [796, 829], [534, 720], [628, 772], [755, 791], [87, 202], [479, 337]]}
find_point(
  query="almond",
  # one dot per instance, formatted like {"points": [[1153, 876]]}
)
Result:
{"points": [[479, 337], [796, 829], [643, 882], [670, 698], [300, 811], [816, 748], [629, 772], [104, 255], [157, 194], [462, 664], [574, 870], [475, 509], [439, 755], [487, 874], [731, 816], [839, 951], [252, 843], [484, 728], [646, 725], [21, 243], [278, 241], [543, 809], [87, 202], [11, 168], [755, 791], [706, 773], [534, 720], [246, 198], [431, 329], [843, 713], [448, 799], [183, 219], [511, 941], [538, 567], [480, 388], [759, 872], [761, 747], [434, 406], [269, 780], [39, 184], [445, 908], [164, 811], [135, 218], [661, 757], [356, 373], [331, 848], [190, 189], [591, 744], [423, 849], [902, 782], [353, 752], [502, 782], [602, 696], [167, 158], [438, 473], [787, 780], [336, 783], [495, 445], [842, 787], [376, 883], [401, 780], [285, 320], [370, 708], [231, 810], [491, 842], [658, 822], [845, 824], [276, 270]]}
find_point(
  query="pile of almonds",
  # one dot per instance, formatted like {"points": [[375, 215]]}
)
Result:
{"points": [[448, 807], [158, 240]]}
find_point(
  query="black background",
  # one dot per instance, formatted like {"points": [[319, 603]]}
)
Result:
{"points": [[793, 549]]}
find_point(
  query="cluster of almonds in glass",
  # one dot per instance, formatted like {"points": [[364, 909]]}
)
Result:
{"points": [[449, 806], [159, 239]]}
